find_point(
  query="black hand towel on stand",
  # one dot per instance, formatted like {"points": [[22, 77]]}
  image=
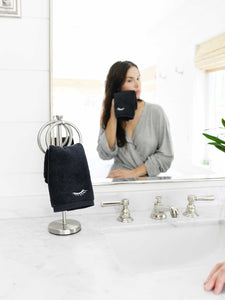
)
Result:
{"points": [[125, 104], [67, 174]]}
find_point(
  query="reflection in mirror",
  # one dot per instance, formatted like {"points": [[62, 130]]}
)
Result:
{"points": [[161, 37], [134, 133]]}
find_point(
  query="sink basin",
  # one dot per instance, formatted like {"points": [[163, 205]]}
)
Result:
{"points": [[162, 246]]}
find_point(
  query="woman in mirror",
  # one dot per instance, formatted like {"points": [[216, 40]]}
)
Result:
{"points": [[141, 145]]}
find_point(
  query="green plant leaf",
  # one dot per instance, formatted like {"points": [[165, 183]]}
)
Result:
{"points": [[223, 122], [218, 145], [213, 138], [220, 148]]}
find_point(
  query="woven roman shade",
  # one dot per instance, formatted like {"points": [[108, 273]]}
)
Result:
{"points": [[210, 55]]}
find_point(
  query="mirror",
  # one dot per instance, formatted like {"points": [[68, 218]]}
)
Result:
{"points": [[161, 36]]}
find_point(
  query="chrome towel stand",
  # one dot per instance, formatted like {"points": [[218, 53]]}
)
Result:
{"points": [[51, 134]]}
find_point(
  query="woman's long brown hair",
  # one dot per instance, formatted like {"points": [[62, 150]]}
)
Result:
{"points": [[114, 81]]}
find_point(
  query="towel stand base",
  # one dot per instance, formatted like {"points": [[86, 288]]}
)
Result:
{"points": [[58, 227]]}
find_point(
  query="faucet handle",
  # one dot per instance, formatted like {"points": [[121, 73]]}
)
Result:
{"points": [[125, 216], [192, 198], [107, 204], [191, 208]]}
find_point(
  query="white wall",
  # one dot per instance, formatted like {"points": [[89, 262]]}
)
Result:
{"points": [[173, 44], [24, 88]]}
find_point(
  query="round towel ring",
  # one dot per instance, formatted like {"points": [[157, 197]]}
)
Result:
{"points": [[67, 126]]}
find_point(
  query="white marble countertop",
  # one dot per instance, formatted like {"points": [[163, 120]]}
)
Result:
{"points": [[35, 264]]}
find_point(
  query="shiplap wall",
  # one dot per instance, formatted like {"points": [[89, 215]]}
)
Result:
{"points": [[24, 98]]}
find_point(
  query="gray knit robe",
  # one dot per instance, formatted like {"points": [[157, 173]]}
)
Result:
{"points": [[150, 145]]}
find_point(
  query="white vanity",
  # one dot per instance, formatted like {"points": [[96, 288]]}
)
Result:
{"points": [[107, 259]]}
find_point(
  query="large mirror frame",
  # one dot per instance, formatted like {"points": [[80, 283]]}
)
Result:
{"points": [[179, 67]]}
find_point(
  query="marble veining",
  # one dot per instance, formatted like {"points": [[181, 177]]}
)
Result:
{"points": [[38, 265]]}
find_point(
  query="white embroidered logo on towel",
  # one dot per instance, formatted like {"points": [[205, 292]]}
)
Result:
{"points": [[81, 193], [120, 108]]}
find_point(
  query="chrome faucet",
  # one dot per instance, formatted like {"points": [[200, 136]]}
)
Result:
{"points": [[125, 216], [191, 208], [159, 210]]}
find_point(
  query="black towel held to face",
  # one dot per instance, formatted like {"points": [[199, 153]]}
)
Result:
{"points": [[67, 174], [125, 104]]}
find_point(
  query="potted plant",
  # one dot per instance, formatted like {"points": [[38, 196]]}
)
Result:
{"points": [[217, 142]]}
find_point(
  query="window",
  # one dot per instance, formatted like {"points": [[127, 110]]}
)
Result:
{"points": [[215, 113]]}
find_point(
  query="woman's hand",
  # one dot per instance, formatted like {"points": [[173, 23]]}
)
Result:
{"points": [[111, 128], [216, 279], [134, 173], [121, 173], [112, 110]]}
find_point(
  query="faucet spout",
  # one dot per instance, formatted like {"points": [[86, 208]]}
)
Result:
{"points": [[159, 210]]}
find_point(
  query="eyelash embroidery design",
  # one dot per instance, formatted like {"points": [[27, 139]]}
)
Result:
{"points": [[81, 193]]}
